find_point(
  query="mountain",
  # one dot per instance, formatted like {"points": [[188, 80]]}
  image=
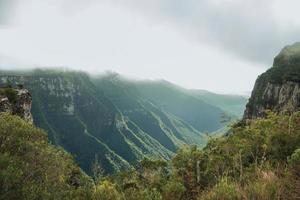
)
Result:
{"points": [[231, 104], [178, 102], [278, 89], [112, 120]]}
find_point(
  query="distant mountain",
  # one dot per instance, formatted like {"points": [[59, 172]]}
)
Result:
{"points": [[232, 104], [114, 120], [278, 89], [203, 116]]}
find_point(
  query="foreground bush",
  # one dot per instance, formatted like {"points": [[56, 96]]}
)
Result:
{"points": [[106, 191], [31, 168], [260, 161], [224, 190]]}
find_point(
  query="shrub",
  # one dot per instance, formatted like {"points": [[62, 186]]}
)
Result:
{"points": [[224, 190], [142, 194], [10, 93], [294, 161], [31, 168], [266, 187], [292, 180], [106, 191], [173, 190]]}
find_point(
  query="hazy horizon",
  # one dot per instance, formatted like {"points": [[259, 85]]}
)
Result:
{"points": [[126, 77], [215, 45]]}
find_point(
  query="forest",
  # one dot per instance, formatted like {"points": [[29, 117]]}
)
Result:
{"points": [[255, 160]]}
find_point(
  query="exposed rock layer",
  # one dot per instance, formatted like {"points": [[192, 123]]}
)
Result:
{"points": [[19, 105], [278, 89]]}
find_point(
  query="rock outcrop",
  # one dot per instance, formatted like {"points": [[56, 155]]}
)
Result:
{"points": [[16, 102], [278, 89]]}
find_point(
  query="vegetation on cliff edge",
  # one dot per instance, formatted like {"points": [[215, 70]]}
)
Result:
{"points": [[257, 161]]}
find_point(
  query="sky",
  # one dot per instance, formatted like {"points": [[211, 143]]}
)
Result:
{"points": [[217, 45]]}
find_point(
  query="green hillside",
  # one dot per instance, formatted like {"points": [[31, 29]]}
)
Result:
{"points": [[260, 160], [113, 120], [175, 101], [232, 104], [31, 168]]}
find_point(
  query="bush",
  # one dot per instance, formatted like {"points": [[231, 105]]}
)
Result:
{"points": [[260, 160], [10, 93], [31, 168], [173, 190], [224, 190], [266, 187], [106, 191], [292, 180], [294, 161], [151, 194]]}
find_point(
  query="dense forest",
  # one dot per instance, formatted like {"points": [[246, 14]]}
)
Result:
{"points": [[259, 160]]}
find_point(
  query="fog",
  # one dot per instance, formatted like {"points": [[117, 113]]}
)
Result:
{"points": [[218, 45]]}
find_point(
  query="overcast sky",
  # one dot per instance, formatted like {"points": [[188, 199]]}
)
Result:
{"points": [[218, 45]]}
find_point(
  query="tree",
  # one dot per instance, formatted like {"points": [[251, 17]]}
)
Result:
{"points": [[31, 168]]}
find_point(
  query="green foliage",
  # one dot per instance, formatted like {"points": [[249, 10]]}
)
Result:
{"points": [[257, 161], [203, 116], [173, 190], [292, 179], [266, 187], [224, 190], [107, 116], [185, 165], [295, 159], [145, 194], [285, 67], [10, 93], [106, 191], [151, 194], [30, 168], [121, 121]]}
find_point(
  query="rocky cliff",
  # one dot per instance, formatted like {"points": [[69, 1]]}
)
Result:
{"points": [[16, 102], [102, 119], [112, 120], [278, 89]]}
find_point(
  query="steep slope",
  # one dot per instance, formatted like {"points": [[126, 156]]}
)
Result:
{"points": [[278, 89], [179, 102], [95, 119], [231, 104], [114, 120], [171, 131], [64, 104]]}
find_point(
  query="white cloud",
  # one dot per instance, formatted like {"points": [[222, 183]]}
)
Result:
{"points": [[252, 30], [220, 45]]}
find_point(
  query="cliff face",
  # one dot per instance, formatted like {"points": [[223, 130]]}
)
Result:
{"points": [[102, 119], [16, 102], [75, 115], [113, 120], [278, 89]]}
